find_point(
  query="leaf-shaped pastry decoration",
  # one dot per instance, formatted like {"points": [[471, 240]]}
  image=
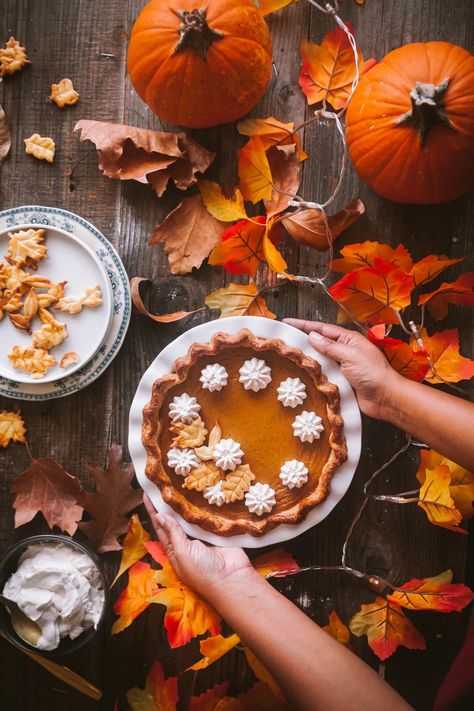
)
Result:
{"points": [[12, 428], [206, 474], [26, 244], [237, 483], [35, 361], [192, 435], [205, 452]]}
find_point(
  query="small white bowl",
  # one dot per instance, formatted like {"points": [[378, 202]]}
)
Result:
{"points": [[68, 259]]}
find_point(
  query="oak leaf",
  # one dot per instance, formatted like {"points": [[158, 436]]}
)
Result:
{"points": [[26, 245], [239, 300], [5, 137], [133, 546], [254, 171], [436, 501], [213, 648], [273, 561], [47, 488], [187, 615], [401, 356], [50, 335], [437, 593], [159, 694], [337, 629], [461, 487], [430, 267], [64, 94], [386, 627], [206, 474], [272, 132], [40, 147], [12, 57], [189, 434], [329, 68], [189, 233], [308, 226], [365, 254], [226, 209], [12, 428], [134, 599], [459, 292], [210, 699], [154, 157], [285, 172], [109, 505], [374, 294], [35, 361], [237, 483], [447, 364], [135, 283]]}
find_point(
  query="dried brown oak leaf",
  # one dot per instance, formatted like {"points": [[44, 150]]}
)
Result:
{"points": [[40, 147], [154, 157], [35, 361], [189, 233], [192, 435], [45, 486], [64, 94], [237, 483], [109, 505], [24, 245], [206, 474], [12, 57], [12, 428], [5, 137]]}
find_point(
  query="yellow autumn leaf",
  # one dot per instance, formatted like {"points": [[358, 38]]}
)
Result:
{"points": [[221, 207], [272, 255], [461, 487], [436, 501], [40, 147], [133, 546], [239, 300], [12, 428], [254, 171], [271, 132]]}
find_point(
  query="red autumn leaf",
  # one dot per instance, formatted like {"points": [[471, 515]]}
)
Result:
{"points": [[409, 363], [461, 487], [374, 294], [133, 546], [308, 226], [337, 629], [45, 486], [459, 292], [254, 171], [386, 627], [448, 365], [329, 68], [239, 300], [209, 700], [109, 505], [135, 283], [187, 615], [272, 132], [271, 562], [437, 593], [430, 267], [134, 599], [365, 254], [241, 247], [159, 694], [213, 648]]}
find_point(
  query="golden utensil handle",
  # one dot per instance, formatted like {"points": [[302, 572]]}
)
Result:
{"points": [[61, 672]]}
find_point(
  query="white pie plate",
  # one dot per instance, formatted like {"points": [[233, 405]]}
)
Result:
{"points": [[264, 328]]}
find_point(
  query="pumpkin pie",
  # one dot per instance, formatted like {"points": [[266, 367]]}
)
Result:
{"points": [[243, 435]]}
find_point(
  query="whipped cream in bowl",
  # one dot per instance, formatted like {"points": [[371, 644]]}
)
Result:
{"points": [[58, 583]]}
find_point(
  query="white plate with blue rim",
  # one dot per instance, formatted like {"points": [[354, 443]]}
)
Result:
{"points": [[264, 328], [87, 241]]}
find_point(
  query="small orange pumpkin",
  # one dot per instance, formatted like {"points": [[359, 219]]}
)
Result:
{"points": [[199, 63], [410, 124]]}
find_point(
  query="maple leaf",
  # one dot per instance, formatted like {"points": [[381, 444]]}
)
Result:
{"points": [[109, 505], [133, 546], [40, 147], [64, 94], [461, 487], [5, 137], [47, 488], [373, 294], [437, 593], [436, 501], [447, 364], [272, 132], [265, 7], [12, 428], [221, 207], [135, 283], [213, 648], [159, 694], [12, 57], [254, 171], [459, 292], [275, 560], [155, 157], [206, 474], [386, 627], [237, 483], [239, 300], [409, 363], [263, 674], [308, 226], [365, 254], [430, 267], [209, 700], [187, 615], [337, 629], [134, 599], [329, 68], [35, 361], [189, 233]]}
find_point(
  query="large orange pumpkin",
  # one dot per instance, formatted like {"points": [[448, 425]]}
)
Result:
{"points": [[410, 124], [200, 63]]}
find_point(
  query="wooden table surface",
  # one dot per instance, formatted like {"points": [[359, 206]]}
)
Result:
{"points": [[87, 41]]}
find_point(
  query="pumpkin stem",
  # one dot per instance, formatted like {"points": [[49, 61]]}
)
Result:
{"points": [[195, 33], [427, 109]]}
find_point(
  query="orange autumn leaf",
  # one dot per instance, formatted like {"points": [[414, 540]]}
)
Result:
{"points": [[272, 132], [409, 363], [386, 627], [461, 487], [213, 648], [459, 292], [448, 365], [134, 599], [209, 700], [226, 209], [308, 226], [329, 68], [135, 283], [273, 257], [364, 254], [159, 694], [133, 546], [337, 629], [275, 560], [374, 294], [263, 674], [12, 428], [240, 250], [258, 698], [239, 300], [436, 501], [430, 267], [254, 171], [265, 7], [437, 593], [187, 615], [285, 169]]}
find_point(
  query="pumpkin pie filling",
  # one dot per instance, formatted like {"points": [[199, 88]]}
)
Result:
{"points": [[258, 421]]}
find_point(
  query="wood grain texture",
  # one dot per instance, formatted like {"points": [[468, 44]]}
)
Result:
{"points": [[69, 39]]}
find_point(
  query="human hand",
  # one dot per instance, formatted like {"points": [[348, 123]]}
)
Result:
{"points": [[208, 570], [364, 366]]}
